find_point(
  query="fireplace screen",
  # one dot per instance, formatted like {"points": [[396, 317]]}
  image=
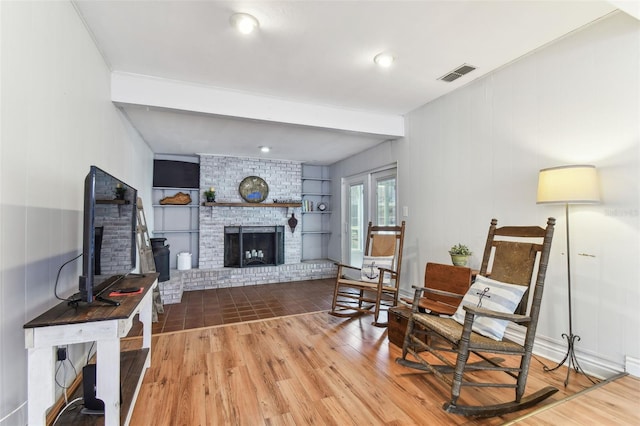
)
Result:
{"points": [[246, 246]]}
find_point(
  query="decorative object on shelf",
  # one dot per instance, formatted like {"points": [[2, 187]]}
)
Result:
{"points": [[253, 189], [568, 185], [322, 207], [293, 222], [286, 201], [120, 191], [178, 199], [210, 195], [460, 254]]}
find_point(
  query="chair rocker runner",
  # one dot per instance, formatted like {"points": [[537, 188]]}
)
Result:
{"points": [[358, 290], [511, 255]]}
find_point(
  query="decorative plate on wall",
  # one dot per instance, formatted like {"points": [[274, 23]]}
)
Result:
{"points": [[253, 189]]}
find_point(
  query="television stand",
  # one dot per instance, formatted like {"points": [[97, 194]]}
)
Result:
{"points": [[104, 324]]}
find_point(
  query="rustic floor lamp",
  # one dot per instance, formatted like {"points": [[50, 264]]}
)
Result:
{"points": [[568, 185]]}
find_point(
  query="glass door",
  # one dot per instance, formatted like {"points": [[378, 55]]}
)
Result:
{"points": [[356, 222], [385, 213], [368, 197]]}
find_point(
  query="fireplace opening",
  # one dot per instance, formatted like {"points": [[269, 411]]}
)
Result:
{"points": [[247, 246]]}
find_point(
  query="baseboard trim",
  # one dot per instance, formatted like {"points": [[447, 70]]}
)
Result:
{"points": [[632, 366]]}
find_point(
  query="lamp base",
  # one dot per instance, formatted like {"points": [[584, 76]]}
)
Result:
{"points": [[571, 357]]}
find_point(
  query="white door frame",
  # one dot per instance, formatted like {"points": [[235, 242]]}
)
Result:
{"points": [[368, 179]]}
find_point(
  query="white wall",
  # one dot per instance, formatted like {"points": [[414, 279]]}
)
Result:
{"points": [[56, 120], [475, 154]]}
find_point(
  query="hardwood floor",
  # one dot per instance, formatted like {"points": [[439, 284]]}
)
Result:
{"points": [[616, 402], [318, 369]]}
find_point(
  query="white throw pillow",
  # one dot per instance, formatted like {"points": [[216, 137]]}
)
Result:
{"points": [[493, 295], [370, 271]]}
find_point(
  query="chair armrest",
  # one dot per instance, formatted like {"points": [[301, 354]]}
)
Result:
{"points": [[494, 314], [342, 265], [390, 271], [443, 293], [416, 297]]}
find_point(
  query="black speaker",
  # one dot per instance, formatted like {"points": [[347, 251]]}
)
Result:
{"points": [[92, 405]]}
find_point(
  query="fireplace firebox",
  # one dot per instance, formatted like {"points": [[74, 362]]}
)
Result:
{"points": [[247, 246]]}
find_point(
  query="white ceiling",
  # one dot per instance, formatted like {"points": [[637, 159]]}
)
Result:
{"points": [[313, 55]]}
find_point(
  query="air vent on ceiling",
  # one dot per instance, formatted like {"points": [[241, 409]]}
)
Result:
{"points": [[457, 73]]}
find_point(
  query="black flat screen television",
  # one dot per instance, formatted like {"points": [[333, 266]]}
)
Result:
{"points": [[109, 234]]}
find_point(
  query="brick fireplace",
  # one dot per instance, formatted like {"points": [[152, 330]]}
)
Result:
{"points": [[225, 174]]}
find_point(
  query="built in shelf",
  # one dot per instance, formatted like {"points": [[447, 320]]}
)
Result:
{"points": [[222, 204], [112, 202], [177, 205], [176, 231]]}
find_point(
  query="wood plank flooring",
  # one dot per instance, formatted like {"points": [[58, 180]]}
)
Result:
{"points": [[318, 369]]}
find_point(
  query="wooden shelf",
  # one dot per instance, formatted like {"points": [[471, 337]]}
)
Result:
{"points": [[175, 231], [112, 202], [223, 204], [177, 205]]}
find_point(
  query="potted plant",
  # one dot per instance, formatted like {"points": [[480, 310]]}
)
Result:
{"points": [[120, 191], [210, 195], [460, 254]]}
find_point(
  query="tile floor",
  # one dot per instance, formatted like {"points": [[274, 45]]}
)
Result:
{"points": [[203, 308]]}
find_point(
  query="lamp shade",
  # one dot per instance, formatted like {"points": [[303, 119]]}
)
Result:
{"points": [[568, 184]]}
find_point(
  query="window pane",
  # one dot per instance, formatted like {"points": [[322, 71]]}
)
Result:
{"points": [[386, 202]]}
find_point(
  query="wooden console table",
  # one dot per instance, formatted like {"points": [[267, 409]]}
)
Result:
{"points": [[104, 324]]}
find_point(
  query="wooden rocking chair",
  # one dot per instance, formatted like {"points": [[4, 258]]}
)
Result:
{"points": [[358, 290], [514, 253]]}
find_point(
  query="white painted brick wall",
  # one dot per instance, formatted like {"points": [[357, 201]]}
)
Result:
{"points": [[225, 174]]}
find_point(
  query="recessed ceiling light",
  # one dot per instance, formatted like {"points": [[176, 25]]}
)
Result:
{"points": [[384, 59], [265, 149], [244, 22]]}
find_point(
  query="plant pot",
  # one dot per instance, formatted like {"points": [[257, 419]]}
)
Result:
{"points": [[211, 199], [459, 259]]}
